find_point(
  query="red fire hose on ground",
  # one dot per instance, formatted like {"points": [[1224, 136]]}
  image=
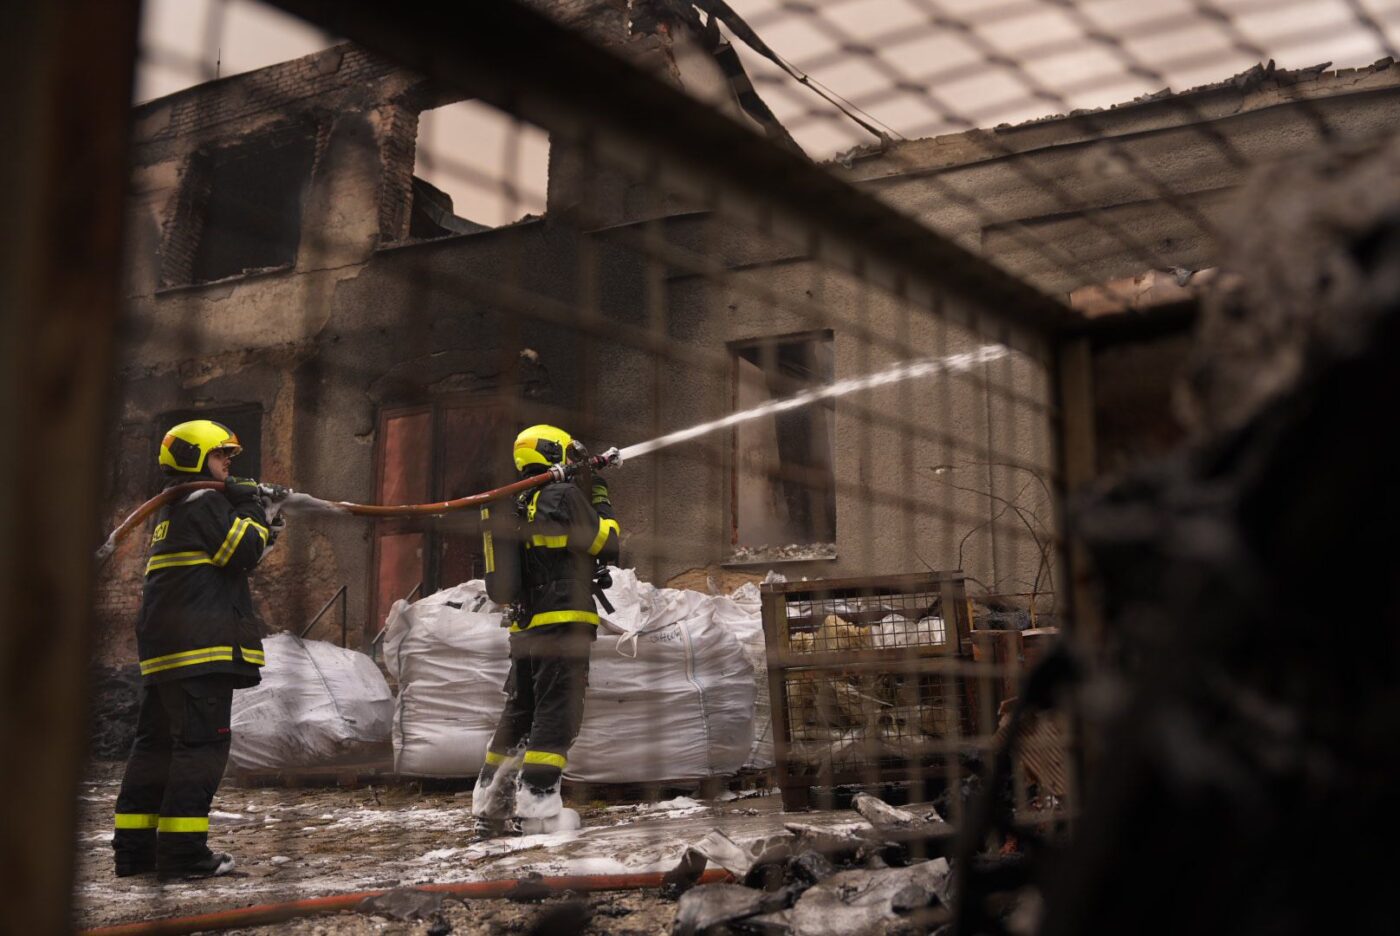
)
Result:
{"points": [[262, 914], [556, 473]]}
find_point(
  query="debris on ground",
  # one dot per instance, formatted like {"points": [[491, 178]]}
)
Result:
{"points": [[813, 881], [293, 844], [858, 901], [884, 816], [715, 905], [403, 903], [833, 872], [685, 875]]}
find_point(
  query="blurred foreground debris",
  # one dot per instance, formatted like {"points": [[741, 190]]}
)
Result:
{"points": [[1251, 715]]}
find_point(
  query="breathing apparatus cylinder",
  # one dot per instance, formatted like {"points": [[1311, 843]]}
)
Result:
{"points": [[502, 536]]}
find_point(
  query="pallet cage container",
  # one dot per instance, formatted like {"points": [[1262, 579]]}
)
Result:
{"points": [[871, 681]]}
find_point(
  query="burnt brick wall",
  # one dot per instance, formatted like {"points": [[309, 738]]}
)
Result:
{"points": [[283, 87], [398, 146], [182, 230]]}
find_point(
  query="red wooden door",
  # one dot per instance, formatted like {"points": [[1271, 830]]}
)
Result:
{"points": [[403, 475], [440, 451]]}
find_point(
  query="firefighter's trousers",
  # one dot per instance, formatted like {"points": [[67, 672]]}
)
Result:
{"points": [[176, 763], [544, 705]]}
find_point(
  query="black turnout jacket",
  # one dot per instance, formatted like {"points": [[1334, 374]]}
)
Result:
{"points": [[196, 613], [565, 536]]}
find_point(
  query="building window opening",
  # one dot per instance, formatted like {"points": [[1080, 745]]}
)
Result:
{"points": [[475, 168], [784, 481], [246, 206]]}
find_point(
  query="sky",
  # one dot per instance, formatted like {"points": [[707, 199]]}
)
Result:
{"points": [[917, 67]]}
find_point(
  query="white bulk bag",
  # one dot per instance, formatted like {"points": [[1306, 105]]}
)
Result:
{"points": [[317, 703], [741, 613], [450, 657], [670, 697], [670, 691]]}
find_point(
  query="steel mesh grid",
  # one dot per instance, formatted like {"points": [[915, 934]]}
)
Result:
{"points": [[877, 332], [862, 711], [865, 622], [850, 724]]}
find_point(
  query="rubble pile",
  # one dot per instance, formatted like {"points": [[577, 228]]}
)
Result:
{"points": [[815, 882]]}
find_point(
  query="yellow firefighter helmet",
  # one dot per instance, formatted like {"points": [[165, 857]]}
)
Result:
{"points": [[541, 445], [186, 446]]}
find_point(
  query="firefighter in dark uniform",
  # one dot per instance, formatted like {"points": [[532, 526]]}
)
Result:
{"points": [[198, 640], [549, 569]]}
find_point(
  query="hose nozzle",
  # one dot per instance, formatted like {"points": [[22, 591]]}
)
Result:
{"points": [[611, 458], [274, 492], [593, 462]]}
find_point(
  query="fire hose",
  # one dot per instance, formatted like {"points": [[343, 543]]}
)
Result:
{"points": [[562, 472], [261, 914]]}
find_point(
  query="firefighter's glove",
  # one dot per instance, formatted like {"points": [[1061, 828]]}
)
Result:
{"points": [[274, 492], [598, 492], [241, 490]]}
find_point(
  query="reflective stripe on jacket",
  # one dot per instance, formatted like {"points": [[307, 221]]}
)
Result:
{"points": [[196, 612]]}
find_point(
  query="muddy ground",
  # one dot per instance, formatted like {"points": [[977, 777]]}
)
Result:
{"points": [[297, 843]]}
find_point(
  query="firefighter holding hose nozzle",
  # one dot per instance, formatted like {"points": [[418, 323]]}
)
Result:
{"points": [[198, 640], [545, 558]]}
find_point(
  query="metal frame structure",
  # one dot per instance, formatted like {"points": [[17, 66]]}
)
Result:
{"points": [[945, 662]]}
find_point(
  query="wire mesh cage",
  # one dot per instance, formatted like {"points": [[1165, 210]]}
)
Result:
{"points": [[866, 683]]}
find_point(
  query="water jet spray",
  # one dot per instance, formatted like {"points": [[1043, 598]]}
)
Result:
{"points": [[299, 502]]}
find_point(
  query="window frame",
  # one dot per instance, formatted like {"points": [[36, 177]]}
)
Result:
{"points": [[736, 349]]}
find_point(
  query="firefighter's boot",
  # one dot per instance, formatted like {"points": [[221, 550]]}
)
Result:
{"points": [[538, 802], [214, 864], [493, 796]]}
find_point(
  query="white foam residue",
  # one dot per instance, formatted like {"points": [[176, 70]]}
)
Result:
{"points": [[680, 806], [437, 854], [729, 796]]}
